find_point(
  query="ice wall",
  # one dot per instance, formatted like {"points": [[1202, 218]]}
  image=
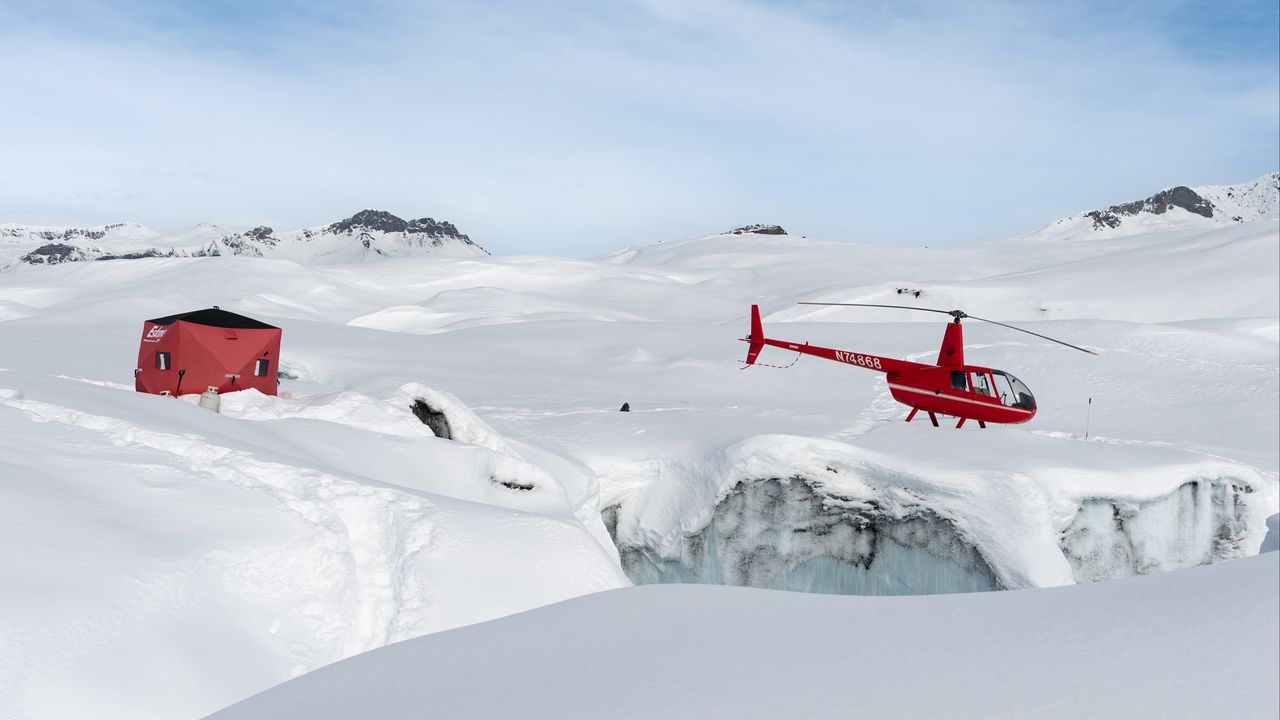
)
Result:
{"points": [[781, 533], [1203, 521], [794, 534]]}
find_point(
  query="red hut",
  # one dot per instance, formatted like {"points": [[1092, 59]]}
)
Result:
{"points": [[191, 352]]}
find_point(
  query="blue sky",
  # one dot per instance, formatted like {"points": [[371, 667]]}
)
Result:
{"points": [[581, 127]]}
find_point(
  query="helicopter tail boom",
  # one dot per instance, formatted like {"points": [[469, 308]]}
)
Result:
{"points": [[757, 341]]}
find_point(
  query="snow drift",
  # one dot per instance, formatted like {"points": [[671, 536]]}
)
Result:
{"points": [[1173, 645]]}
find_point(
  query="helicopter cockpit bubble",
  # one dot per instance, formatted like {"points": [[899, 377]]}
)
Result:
{"points": [[1014, 392]]}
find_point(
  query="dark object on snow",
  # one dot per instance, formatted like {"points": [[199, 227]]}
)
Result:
{"points": [[626, 407], [432, 418], [513, 484], [203, 349]]}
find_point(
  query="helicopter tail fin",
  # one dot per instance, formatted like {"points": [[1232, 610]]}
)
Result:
{"points": [[756, 339]]}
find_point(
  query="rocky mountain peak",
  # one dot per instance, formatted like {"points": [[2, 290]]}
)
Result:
{"points": [[383, 221], [262, 232], [1158, 204]]}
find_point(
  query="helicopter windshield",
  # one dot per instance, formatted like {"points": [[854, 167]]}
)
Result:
{"points": [[1013, 392]]}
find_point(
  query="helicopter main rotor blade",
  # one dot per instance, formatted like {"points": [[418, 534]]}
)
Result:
{"points": [[957, 314], [1046, 337], [900, 307]]}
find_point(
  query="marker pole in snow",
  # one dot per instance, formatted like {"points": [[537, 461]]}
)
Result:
{"points": [[1088, 411]]}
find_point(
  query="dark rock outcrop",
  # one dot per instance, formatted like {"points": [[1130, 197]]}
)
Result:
{"points": [[432, 418], [57, 253], [758, 230]]}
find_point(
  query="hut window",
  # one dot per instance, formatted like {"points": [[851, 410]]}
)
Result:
{"points": [[260, 367], [162, 361]]}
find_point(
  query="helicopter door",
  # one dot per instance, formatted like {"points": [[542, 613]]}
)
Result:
{"points": [[982, 384]]}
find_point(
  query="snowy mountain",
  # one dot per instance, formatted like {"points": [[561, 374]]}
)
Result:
{"points": [[53, 245], [367, 234], [284, 534], [1178, 207]]}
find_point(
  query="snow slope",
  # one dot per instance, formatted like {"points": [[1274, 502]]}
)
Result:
{"points": [[1174, 645], [246, 548], [163, 560]]}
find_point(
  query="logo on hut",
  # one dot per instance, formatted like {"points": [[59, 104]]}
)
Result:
{"points": [[155, 334]]}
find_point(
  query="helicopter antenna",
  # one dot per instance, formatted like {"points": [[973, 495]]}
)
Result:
{"points": [[957, 314]]}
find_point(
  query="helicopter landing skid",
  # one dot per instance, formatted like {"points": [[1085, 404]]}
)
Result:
{"points": [[934, 419]]}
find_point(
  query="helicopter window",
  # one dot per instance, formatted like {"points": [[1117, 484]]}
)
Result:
{"points": [[1021, 396], [982, 384], [1004, 389], [957, 380]]}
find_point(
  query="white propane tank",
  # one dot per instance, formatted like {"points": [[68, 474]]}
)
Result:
{"points": [[209, 399]]}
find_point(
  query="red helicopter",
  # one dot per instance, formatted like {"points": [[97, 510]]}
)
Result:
{"points": [[948, 387]]}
